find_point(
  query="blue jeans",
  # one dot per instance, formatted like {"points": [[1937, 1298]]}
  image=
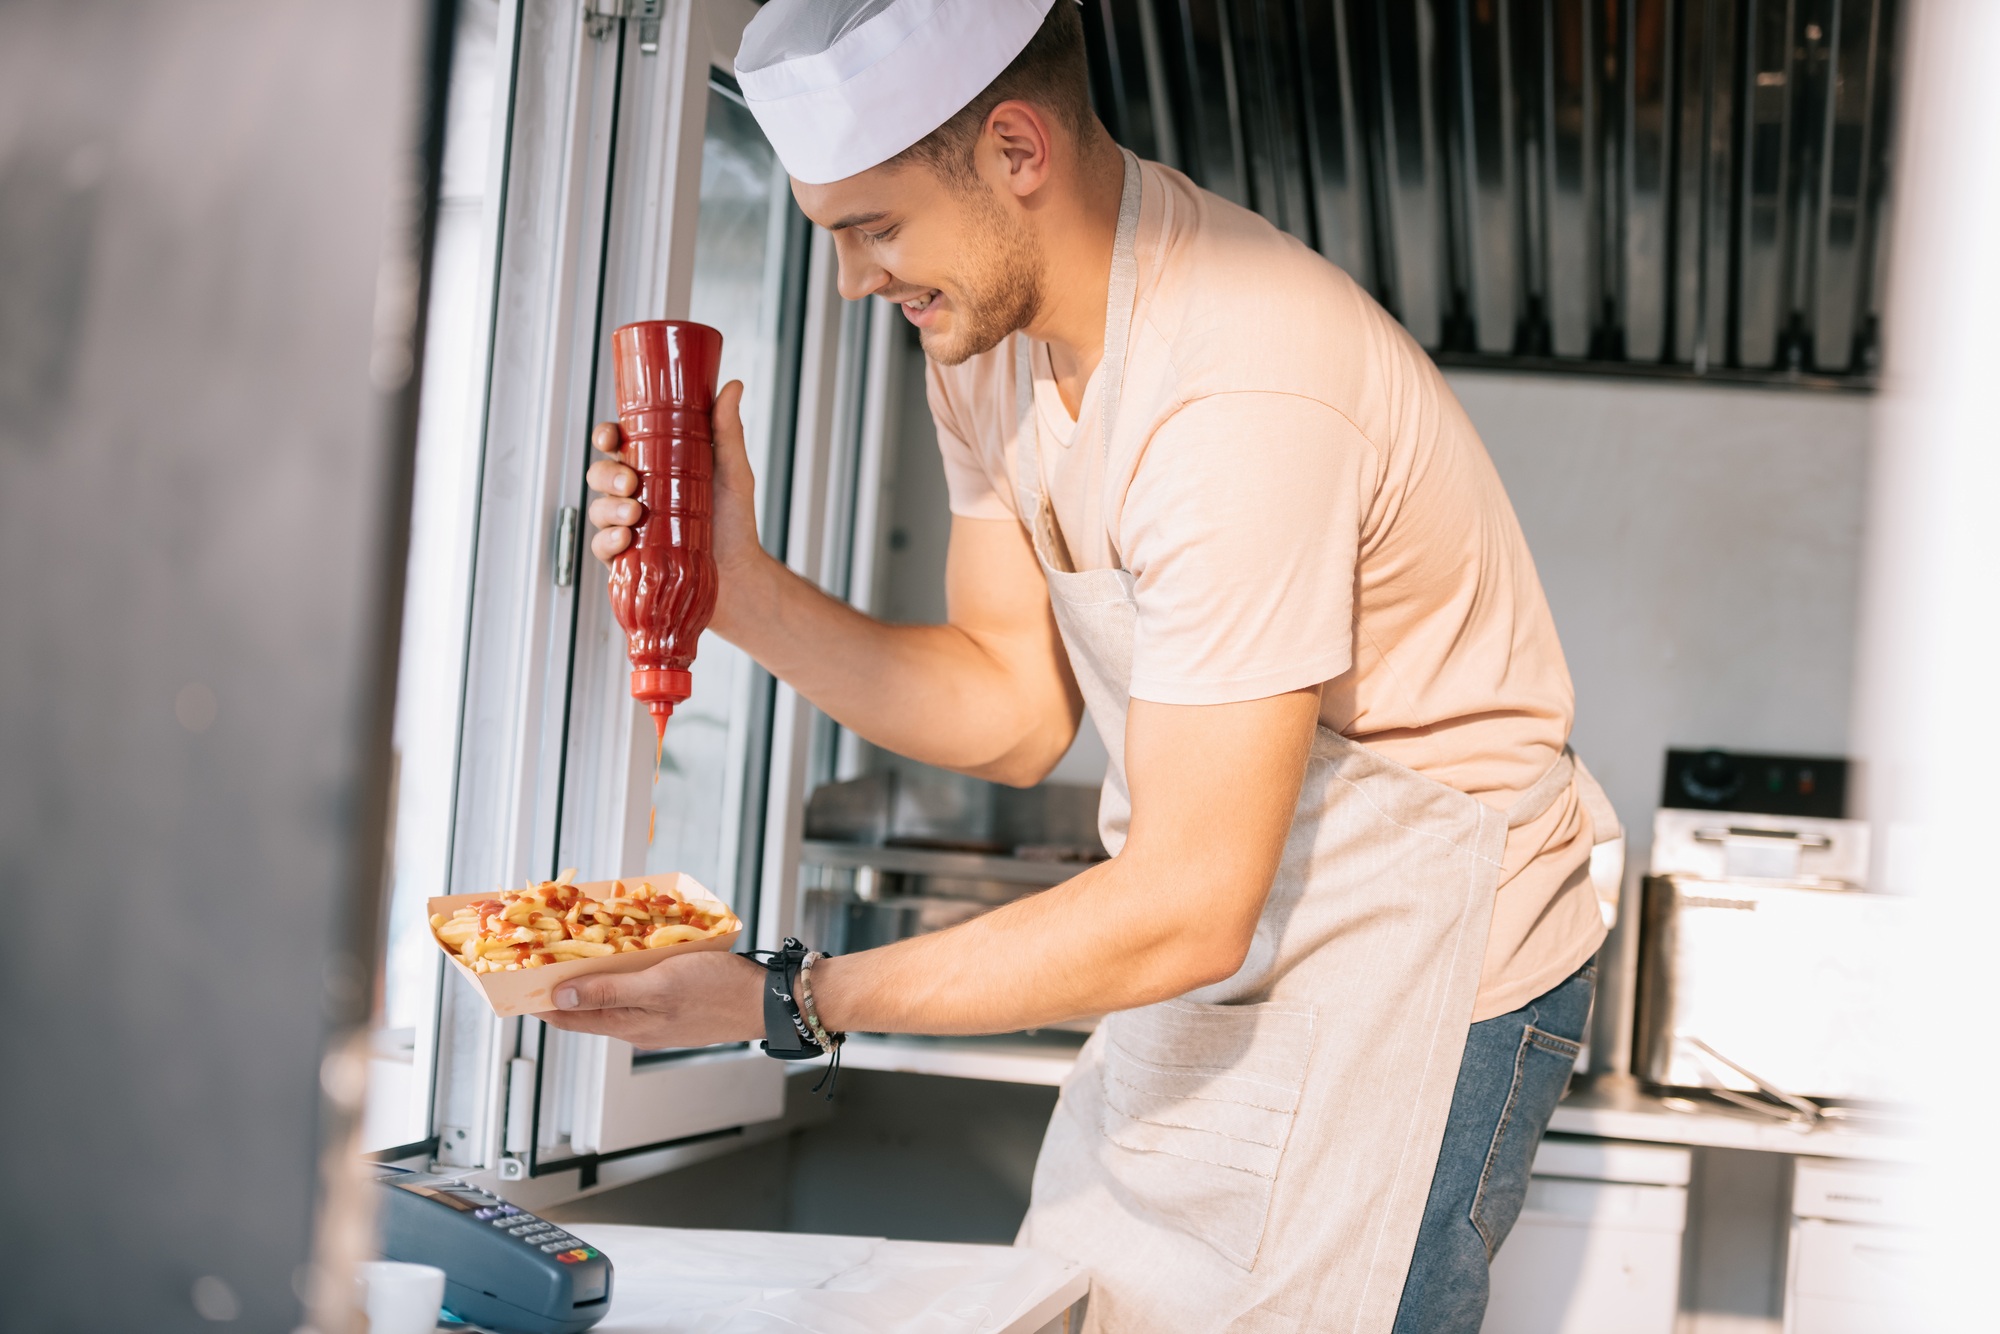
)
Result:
{"points": [[1515, 1070]]}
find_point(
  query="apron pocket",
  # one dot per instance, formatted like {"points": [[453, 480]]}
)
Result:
{"points": [[1198, 1104]]}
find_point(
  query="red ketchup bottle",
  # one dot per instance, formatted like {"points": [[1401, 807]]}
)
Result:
{"points": [[663, 585]]}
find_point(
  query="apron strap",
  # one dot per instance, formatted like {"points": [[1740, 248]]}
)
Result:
{"points": [[1124, 291]]}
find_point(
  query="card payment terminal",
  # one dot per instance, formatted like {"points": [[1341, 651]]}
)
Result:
{"points": [[505, 1269]]}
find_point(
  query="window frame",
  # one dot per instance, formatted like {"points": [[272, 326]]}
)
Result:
{"points": [[596, 221]]}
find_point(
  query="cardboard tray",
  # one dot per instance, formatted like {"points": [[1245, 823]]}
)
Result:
{"points": [[532, 990]]}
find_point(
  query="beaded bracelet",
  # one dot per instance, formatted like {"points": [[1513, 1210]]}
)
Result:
{"points": [[827, 1041]]}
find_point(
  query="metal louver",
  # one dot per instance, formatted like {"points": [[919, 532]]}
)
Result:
{"points": [[1655, 186]]}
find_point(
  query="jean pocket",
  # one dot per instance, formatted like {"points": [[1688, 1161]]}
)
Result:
{"points": [[1542, 1066], [1199, 1102]]}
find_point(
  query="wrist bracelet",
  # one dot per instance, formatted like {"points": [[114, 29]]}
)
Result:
{"points": [[810, 1012], [786, 1034]]}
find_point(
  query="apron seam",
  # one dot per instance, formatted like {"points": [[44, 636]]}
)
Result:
{"points": [[1293, 1090], [1484, 813], [1402, 1159]]}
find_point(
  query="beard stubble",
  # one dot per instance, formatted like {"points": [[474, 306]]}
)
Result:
{"points": [[998, 294]]}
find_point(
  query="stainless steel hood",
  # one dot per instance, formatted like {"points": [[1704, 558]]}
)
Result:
{"points": [[1689, 187]]}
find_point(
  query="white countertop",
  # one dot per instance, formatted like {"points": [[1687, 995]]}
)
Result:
{"points": [[697, 1281], [1620, 1109]]}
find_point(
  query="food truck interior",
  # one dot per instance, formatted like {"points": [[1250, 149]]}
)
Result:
{"points": [[305, 318]]}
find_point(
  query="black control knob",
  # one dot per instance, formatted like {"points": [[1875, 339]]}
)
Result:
{"points": [[1712, 778]]}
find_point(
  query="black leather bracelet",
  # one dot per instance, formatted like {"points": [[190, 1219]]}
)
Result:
{"points": [[787, 1036]]}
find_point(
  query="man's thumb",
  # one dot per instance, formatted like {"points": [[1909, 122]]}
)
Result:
{"points": [[593, 993], [731, 450]]}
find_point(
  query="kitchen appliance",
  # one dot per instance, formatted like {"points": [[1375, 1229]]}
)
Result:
{"points": [[505, 1269], [1767, 973], [1597, 1248], [911, 850]]}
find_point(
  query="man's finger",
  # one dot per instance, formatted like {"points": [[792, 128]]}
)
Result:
{"points": [[613, 479], [611, 512], [609, 542], [606, 438], [603, 991]]}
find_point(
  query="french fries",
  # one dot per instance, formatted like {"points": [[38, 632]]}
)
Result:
{"points": [[554, 922]]}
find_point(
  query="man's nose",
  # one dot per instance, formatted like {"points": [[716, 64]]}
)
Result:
{"points": [[858, 276]]}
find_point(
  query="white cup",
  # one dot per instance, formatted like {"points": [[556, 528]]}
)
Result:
{"points": [[400, 1298]]}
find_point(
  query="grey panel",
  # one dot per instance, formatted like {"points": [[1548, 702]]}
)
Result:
{"points": [[1880, 217], [1267, 78], [1412, 166], [1336, 166], [1571, 57], [1705, 182], [1485, 192], [1692, 183], [204, 482], [1762, 249], [1647, 66], [1117, 40], [1846, 167], [1211, 118], [1528, 50]]}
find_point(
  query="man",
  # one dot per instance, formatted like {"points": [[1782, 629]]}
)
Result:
{"points": [[1203, 484]]}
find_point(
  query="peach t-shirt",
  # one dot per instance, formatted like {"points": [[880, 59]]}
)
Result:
{"points": [[1300, 500]]}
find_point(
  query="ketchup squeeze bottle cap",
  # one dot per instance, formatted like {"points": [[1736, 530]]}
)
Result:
{"points": [[663, 586]]}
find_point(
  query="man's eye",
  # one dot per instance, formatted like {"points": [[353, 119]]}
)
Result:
{"points": [[882, 235]]}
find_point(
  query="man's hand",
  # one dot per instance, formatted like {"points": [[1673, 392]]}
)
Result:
{"points": [[686, 1000], [989, 693], [615, 512]]}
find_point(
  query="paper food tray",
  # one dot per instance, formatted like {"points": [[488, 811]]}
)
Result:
{"points": [[532, 990]]}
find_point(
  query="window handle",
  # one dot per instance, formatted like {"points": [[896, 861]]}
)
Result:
{"points": [[599, 15], [565, 552]]}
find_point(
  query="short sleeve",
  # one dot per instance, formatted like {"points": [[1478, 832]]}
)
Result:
{"points": [[1241, 527], [969, 487]]}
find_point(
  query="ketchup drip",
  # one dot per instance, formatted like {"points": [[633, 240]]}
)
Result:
{"points": [[663, 585]]}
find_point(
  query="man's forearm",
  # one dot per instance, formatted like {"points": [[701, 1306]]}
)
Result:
{"points": [[1214, 789], [936, 693], [1110, 939]]}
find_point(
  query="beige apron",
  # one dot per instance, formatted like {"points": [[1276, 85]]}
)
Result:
{"points": [[1256, 1155]]}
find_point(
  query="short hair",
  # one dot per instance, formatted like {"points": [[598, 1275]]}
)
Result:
{"points": [[1052, 71]]}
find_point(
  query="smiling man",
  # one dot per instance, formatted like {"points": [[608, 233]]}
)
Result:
{"points": [[1203, 484]]}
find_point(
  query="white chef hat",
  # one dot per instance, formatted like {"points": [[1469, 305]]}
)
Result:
{"points": [[840, 86]]}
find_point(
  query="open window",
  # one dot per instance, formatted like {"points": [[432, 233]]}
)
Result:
{"points": [[619, 176], [609, 172]]}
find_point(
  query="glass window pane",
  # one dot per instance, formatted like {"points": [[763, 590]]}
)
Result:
{"points": [[741, 242], [431, 670]]}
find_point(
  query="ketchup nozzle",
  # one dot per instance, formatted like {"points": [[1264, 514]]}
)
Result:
{"points": [[661, 712]]}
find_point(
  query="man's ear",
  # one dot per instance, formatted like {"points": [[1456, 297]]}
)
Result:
{"points": [[1017, 140]]}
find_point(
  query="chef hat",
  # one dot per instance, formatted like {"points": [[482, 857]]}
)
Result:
{"points": [[840, 86]]}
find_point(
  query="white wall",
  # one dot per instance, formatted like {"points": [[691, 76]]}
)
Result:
{"points": [[1700, 545], [1701, 548]]}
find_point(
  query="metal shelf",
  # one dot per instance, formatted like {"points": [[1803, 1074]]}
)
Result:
{"points": [[935, 862]]}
